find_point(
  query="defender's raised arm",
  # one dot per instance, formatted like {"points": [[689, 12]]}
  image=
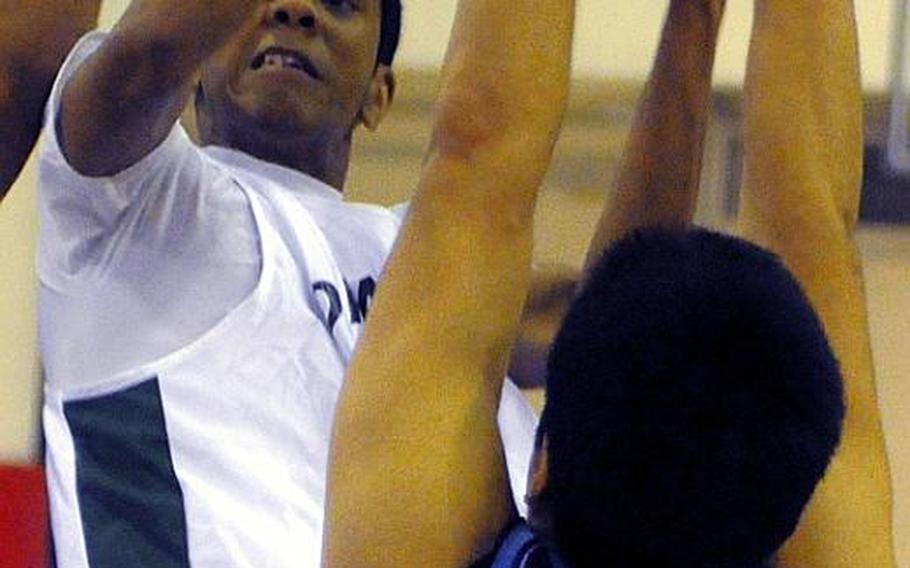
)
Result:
{"points": [[416, 473], [803, 168], [657, 183]]}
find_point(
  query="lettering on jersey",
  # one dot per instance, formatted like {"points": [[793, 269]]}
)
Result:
{"points": [[359, 300]]}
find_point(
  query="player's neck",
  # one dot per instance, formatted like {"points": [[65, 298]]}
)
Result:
{"points": [[324, 157]]}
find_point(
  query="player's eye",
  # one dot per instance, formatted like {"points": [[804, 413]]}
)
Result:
{"points": [[341, 6]]}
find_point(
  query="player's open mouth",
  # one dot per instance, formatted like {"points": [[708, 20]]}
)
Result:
{"points": [[283, 58]]}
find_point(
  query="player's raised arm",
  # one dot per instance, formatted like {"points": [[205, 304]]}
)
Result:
{"points": [[125, 99], [803, 167], [416, 471], [658, 178], [35, 36]]}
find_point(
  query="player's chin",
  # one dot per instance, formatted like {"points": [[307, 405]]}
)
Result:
{"points": [[283, 129], [284, 115]]}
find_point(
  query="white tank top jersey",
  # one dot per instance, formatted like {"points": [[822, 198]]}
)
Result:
{"points": [[196, 314]]}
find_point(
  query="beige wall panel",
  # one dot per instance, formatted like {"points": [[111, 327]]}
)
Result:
{"points": [[19, 384]]}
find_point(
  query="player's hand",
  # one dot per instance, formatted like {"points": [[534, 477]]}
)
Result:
{"points": [[717, 6], [714, 9]]}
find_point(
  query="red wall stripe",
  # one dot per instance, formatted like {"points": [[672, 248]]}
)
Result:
{"points": [[23, 517]]}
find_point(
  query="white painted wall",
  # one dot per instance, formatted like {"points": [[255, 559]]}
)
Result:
{"points": [[617, 38]]}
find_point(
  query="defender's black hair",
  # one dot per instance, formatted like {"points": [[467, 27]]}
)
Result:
{"points": [[693, 404]]}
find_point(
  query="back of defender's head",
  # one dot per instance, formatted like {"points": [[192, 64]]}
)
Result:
{"points": [[389, 31], [693, 404]]}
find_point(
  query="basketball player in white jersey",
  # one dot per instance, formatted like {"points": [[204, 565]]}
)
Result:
{"points": [[35, 36], [198, 305], [803, 168]]}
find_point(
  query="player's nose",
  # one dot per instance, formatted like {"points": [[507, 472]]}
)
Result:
{"points": [[292, 13]]}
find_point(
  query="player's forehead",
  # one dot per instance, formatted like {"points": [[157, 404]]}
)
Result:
{"points": [[369, 6], [370, 10]]}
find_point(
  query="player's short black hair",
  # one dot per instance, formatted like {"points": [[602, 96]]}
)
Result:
{"points": [[693, 404], [389, 31]]}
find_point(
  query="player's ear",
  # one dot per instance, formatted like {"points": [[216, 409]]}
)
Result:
{"points": [[538, 473], [378, 97], [535, 497]]}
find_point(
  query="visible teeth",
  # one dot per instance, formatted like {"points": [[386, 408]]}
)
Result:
{"points": [[281, 60], [284, 60]]}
